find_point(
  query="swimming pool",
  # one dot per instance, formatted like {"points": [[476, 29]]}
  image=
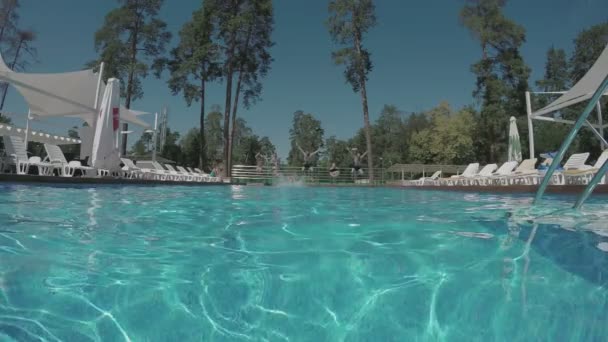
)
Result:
{"points": [[298, 264]]}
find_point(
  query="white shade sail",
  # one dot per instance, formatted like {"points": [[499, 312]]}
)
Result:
{"points": [[62, 94], [37, 136], [583, 89]]}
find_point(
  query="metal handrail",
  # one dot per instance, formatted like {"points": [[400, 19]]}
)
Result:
{"points": [[568, 141], [591, 186]]}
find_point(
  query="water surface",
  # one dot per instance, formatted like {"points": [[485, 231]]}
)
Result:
{"points": [[298, 264]]}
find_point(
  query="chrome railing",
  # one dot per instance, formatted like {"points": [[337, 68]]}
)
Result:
{"points": [[247, 174], [566, 144]]}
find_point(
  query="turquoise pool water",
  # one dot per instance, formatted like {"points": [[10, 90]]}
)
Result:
{"points": [[298, 264]]}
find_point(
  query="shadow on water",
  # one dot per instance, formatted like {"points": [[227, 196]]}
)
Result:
{"points": [[579, 252]]}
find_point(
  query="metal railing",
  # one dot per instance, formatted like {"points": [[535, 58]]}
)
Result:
{"points": [[566, 144], [247, 174]]}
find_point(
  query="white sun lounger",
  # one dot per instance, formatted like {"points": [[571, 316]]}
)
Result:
{"points": [[131, 170], [195, 176], [433, 179], [576, 162], [208, 177], [66, 169], [485, 173], [467, 174], [503, 172], [178, 174], [584, 174], [525, 173], [17, 155]]}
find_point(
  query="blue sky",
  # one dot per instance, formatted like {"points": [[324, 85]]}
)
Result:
{"points": [[421, 56]]}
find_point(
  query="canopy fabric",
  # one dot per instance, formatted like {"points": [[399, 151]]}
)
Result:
{"points": [[105, 154], [583, 89], [62, 94], [514, 142], [37, 136]]}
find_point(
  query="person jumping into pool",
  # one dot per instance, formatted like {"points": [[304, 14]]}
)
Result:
{"points": [[357, 157], [260, 160], [308, 156], [274, 161], [333, 171]]}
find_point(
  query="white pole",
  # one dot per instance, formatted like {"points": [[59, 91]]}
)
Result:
{"points": [[154, 137], [27, 128], [99, 80], [97, 99], [530, 125], [600, 122]]}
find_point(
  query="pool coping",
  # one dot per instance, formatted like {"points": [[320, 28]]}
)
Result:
{"points": [[33, 179], [553, 189]]}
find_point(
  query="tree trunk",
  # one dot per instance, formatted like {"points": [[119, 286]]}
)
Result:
{"points": [[234, 109], [368, 133], [129, 95], [5, 86], [202, 157], [237, 94], [227, 107]]}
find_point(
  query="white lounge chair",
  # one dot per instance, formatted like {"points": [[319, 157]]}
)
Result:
{"points": [[503, 172], [584, 174], [164, 172], [433, 179], [485, 173], [178, 174], [17, 155], [66, 169], [468, 173], [576, 162], [208, 177], [195, 176], [525, 173], [131, 170]]}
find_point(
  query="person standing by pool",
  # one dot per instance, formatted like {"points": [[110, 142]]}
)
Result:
{"points": [[357, 158], [308, 156]]}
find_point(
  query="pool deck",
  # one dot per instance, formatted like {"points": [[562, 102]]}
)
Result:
{"points": [[552, 189], [14, 178]]}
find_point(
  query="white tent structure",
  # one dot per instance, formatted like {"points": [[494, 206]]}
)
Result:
{"points": [[105, 150], [40, 137], [582, 91], [71, 94]]}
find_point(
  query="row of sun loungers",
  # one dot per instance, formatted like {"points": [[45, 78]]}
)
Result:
{"points": [[574, 171], [155, 171], [16, 156]]}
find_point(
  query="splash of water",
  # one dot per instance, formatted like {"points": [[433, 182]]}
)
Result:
{"points": [[290, 181]]}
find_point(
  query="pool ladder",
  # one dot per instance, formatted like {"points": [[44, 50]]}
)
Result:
{"points": [[566, 144]]}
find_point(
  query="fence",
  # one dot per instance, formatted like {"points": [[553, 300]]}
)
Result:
{"points": [[246, 174]]}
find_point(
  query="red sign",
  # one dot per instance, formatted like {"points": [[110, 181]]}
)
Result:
{"points": [[115, 118]]}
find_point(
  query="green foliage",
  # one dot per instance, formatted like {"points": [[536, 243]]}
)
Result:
{"points": [[214, 135], [193, 63], [556, 72], [190, 148], [337, 152], [131, 39], [588, 46], [502, 75], [307, 132], [348, 22], [244, 29], [448, 140]]}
